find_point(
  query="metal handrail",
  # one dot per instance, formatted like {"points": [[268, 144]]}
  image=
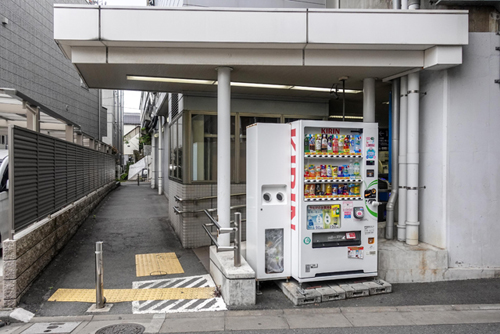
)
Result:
{"points": [[197, 199], [180, 212], [221, 230]]}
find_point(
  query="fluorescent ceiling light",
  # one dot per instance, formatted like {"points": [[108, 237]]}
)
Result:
{"points": [[171, 80], [238, 84], [257, 85], [346, 117]]}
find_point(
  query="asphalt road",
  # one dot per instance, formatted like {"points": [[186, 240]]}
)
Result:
{"points": [[434, 329]]}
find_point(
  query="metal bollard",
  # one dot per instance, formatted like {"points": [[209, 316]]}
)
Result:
{"points": [[237, 239], [99, 279]]}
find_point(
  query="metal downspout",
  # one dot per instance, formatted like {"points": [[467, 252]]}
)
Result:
{"points": [[159, 156], [412, 159], [403, 121], [153, 161], [391, 205]]}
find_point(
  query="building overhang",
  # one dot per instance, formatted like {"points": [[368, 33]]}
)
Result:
{"points": [[298, 47]]}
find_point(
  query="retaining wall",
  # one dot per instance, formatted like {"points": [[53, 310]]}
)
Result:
{"points": [[33, 248]]}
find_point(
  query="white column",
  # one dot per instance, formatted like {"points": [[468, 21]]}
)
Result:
{"points": [[69, 133], [153, 160], [369, 100], [160, 155], [223, 151], [403, 126], [412, 157]]}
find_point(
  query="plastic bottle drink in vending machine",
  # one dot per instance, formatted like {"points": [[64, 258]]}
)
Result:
{"points": [[335, 190], [324, 144], [312, 144], [318, 171], [306, 171], [318, 144], [306, 144], [346, 145], [356, 170], [357, 144], [330, 147], [341, 144], [340, 173], [335, 144], [351, 169], [340, 190], [345, 171], [306, 190], [329, 171]]}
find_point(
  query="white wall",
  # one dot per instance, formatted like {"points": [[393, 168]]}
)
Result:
{"points": [[259, 106], [474, 155], [433, 138]]}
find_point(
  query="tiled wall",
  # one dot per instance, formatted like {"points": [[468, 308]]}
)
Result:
{"points": [[188, 226]]}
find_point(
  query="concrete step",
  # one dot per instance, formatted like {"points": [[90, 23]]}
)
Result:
{"points": [[401, 263], [320, 292]]}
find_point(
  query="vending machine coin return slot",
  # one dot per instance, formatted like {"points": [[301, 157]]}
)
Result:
{"points": [[336, 239]]}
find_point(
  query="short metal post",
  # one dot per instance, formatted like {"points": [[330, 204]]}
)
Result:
{"points": [[99, 281], [237, 239]]}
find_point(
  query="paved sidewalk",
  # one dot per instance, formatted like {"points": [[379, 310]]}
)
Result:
{"points": [[287, 319], [131, 220]]}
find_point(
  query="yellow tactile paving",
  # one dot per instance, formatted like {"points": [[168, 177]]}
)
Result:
{"points": [[157, 264], [130, 295]]}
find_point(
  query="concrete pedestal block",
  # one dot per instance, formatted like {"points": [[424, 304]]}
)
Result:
{"points": [[402, 263], [237, 284]]}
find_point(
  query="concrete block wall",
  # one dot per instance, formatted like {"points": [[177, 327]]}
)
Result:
{"points": [[32, 249]]}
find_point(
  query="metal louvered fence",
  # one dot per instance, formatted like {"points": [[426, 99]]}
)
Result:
{"points": [[46, 174]]}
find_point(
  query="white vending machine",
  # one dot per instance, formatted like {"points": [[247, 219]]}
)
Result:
{"points": [[312, 200], [268, 248], [334, 200]]}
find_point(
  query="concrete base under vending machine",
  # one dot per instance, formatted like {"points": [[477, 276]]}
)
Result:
{"points": [[237, 284]]}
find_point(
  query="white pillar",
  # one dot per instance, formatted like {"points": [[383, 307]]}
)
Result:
{"points": [[160, 155], [369, 100], [412, 157], [153, 161], [404, 4], [223, 151], [69, 133], [403, 126]]}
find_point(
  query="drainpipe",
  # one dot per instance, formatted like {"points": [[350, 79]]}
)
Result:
{"points": [[389, 229], [403, 121], [404, 4], [160, 155], [412, 157], [414, 4], [396, 4], [223, 151], [153, 159]]}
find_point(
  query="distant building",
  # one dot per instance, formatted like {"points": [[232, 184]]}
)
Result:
{"points": [[33, 65]]}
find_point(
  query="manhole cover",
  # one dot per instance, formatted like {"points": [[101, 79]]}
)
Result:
{"points": [[122, 329]]}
